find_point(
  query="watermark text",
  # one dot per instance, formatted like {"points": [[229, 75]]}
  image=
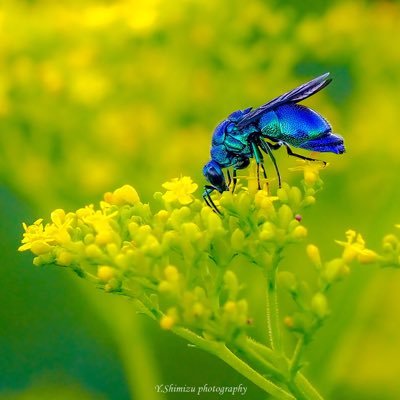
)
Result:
{"points": [[198, 390]]}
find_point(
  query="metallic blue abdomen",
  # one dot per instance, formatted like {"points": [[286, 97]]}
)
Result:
{"points": [[293, 124]]}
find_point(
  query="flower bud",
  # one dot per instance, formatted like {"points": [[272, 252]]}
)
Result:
{"points": [[319, 305], [313, 255], [283, 195], [226, 200], [171, 273], [335, 270], [288, 322], [191, 231], [244, 203], [93, 251], [40, 247], [230, 311], [310, 177], [64, 258], [88, 239], [105, 273], [167, 322], [237, 239], [104, 237], [112, 249], [170, 239], [297, 323], [122, 261], [285, 215], [165, 287], [367, 256], [300, 232], [231, 283], [268, 232], [288, 281], [390, 241], [197, 309], [309, 200], [295, 197], [58, 216], [350, 252], [151, 246], [162, 216]]}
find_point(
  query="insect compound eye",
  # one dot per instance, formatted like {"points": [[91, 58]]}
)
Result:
{"points": [[214, 175]]}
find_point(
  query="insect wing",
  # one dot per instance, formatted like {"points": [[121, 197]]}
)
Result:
{"points": [[294, 96]]}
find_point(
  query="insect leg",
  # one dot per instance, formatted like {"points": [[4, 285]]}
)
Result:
{"points": [[290, 153], [229, 178], [208, 189], [259, 160], [241, 163], [267, 148], [234, 180]]}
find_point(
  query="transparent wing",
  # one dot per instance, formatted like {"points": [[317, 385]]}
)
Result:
{"points": [[294, 96]]}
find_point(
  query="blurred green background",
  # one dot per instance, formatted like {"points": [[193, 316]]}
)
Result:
{"points": [[96, 94]]}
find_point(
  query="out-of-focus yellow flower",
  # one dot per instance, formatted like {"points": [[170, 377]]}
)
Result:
{"points": [[167, 322], [123, 195], [310, 170], [314, 255], [39, 239], [179, 189], [355, 248]]}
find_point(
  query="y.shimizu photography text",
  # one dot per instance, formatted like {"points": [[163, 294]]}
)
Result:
{"points": [[202, 389]]}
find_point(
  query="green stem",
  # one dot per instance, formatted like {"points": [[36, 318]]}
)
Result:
{"points": [[273, 320], [308, 390], [300, 384], [266, 365], [295, 361], [266, 352], [221, 351]]}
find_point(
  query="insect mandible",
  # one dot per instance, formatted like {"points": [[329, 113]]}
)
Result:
{"points": [[248, 133]]}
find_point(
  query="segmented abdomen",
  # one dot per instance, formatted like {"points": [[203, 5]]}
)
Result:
{"points": [[293, 124]]}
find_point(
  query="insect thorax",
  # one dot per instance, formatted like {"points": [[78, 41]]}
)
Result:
{"points": [[269, 125]]}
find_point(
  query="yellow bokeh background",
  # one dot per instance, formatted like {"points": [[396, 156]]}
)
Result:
{"points": [[97, 94]]}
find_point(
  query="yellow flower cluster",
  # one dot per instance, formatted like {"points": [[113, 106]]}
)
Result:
{"points": [[181, 252]]}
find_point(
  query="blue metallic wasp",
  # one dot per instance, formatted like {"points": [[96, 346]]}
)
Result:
{"points": [[245, 134]]}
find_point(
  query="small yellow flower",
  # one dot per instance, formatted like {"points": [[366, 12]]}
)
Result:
{"points": [[310, 170], [123, 195], [179, 189], [35, 235], [355, 248]]}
